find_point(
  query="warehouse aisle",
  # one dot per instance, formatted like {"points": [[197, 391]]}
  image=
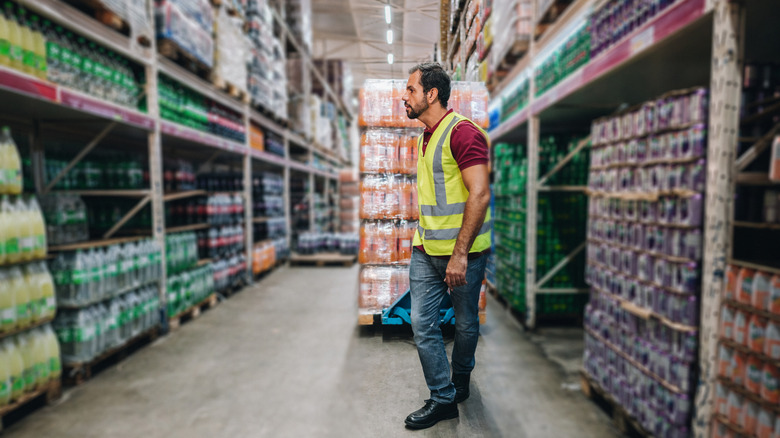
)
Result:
{"points": [[285, 359]]}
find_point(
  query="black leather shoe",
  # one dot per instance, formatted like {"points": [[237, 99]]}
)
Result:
{"points": [[430, 414], [461, 382]]}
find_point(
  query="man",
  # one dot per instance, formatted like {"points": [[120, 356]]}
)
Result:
{"points": [[452, 240]]}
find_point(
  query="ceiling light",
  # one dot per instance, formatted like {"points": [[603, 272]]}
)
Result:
{"points": [[388, 15], [390, 58], [389, 36]]}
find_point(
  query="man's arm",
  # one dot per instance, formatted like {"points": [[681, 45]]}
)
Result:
{"points": [[477, 182]]}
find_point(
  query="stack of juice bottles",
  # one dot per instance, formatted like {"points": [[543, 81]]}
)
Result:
{"points": [[313, 243], [509, 225], [381, 103], [565, 60], [186, 107], [263, 257], [109, 172], [748, 388], [616, 19], [349, 201], [644, 250], [29, 350], [189, 288], [36, 47]]}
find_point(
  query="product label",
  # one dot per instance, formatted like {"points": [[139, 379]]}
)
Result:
{"points": [[8, 316], [77, 277], [5, 48], [51, 306], [22, 311], [53, 51], [42, 370], [40, 242], [35, 309], [55, 367], [127, 265], [64, 334], [17, 384], [87, 66], [16, 53], [66, 56], [5, 389], [12, 246], [26, 244], [28, 58]]}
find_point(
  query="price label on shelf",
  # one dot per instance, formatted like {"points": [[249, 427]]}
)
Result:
{"points": [[642, 40]]}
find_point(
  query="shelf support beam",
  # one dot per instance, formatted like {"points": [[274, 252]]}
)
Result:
{"points": [[760, 146], [129, 215], [725, 91], [580, 146], [77, 159], [564, 261]]}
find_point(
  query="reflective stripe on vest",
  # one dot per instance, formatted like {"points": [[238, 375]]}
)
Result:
{"points": [[450, 233]]}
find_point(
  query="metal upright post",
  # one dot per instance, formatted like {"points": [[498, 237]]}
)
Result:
{"points": [[531, 209], [248, 209], [725, 91], [155, 164]]}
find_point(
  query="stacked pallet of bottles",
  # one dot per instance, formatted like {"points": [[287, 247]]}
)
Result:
{"points": [[224, 242], [28, 347], [747, 394], [388, 194], [644, 252], [509, 223], [270, 223]]}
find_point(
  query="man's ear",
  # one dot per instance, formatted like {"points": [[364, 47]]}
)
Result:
{"points": [[433, 95]]}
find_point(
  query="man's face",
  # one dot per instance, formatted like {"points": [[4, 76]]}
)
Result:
{"points": [[415, 100]]}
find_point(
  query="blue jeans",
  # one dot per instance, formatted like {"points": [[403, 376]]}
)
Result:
{"points": [[426, 281]]}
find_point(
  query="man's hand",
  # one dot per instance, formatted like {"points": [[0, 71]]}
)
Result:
{"points": [[456, 271]]}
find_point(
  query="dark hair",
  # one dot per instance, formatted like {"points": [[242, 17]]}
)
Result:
{"points": [[432, 75]]}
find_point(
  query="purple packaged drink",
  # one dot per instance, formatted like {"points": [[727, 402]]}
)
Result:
{"points": [[630, 211], [689, 211], [695, 142], [649, 296], [642, 179], [614, 258], [632, 151], [648, 212], [689, 311], [640, 122], [616, 205], [641, 150], [636, 235], [697, 106], [626, 180], [621, 228], [667, 213], [628, 262], [661, 273], [632, 290], [661, 304], [657, 179], [686, 278], [621, 154], [679, 110], [691, 244], [627, 126], [663, 113], [645, 265], [674, 177], [674, 145], [654, 147]]}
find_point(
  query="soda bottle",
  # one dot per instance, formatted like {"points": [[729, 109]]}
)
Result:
{"points": [[15, 367], [38, 228], [22, 342], [5, 43], [11, 163], [5, 377], [28, 54], [53, 52], [53, 353], [7, 303], [15, 51], [20, 289]]}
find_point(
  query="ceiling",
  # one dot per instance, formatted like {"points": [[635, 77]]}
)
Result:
{"points": [[356, 31]]}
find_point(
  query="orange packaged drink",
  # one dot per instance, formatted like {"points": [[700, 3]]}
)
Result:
{"points": [[772, 340], [753, 369], [745, 285], [765, 423], [738, 368], [732, 273], [385, 103], [415, 210], [725, 357], [404, 199], [366, 153], [756, 334], [735, 404], [761, 287], [366, 298], [364, 253], [362, 109], [389, 239], [399, 110], [405, 237], [774, 295], [770, 384], [366, 197], [740, 327], [750, 417], [479, 104], [482, 296]]}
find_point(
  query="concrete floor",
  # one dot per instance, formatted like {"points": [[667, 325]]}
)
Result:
{"points": [[286, 359]]}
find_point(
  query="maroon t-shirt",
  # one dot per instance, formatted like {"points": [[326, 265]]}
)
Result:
{"points": [[469, 148]]}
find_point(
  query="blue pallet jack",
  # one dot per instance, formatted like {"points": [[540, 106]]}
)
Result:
{"points": [[399, 313]]}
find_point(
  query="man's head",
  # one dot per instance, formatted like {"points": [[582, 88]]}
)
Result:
{"points": [[428, 85]]}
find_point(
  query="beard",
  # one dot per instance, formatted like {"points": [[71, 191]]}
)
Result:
{"points": [[413, 112]]}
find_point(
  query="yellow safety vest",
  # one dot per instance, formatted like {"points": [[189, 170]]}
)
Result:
{"points": [[442, 195]]}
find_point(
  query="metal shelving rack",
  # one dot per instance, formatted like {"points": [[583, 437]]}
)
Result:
{"points": [[24, 98], [704, 42]]}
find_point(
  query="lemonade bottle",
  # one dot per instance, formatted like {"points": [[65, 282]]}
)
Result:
{"points": [[12, 164], [5, 377], [28, 54], [4, 228], [7, 303], [16, 368], [21, 297], [47, 302], [12, 233], [24, 346], [32, 279], [15, 52], [39, 48], [38, 229], [5, 44], [26, 230], [53, 353], [41, 357]]}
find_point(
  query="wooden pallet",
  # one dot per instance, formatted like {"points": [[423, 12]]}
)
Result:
{"points": [[193, 312], [368, 319], [623, 421], [262, 109], [28, 402], [323, 259], [171, 50], [230, 89], [98, 10], [74, 374]]}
